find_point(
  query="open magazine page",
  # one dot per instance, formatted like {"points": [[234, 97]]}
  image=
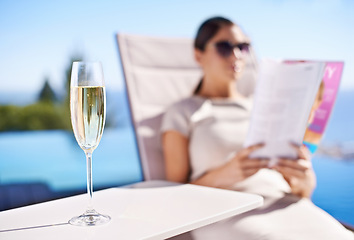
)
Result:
{"points": [[323, 105], [283, 100]]}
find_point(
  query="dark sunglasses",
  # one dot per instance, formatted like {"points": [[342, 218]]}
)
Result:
{"points": [[225, 48]]}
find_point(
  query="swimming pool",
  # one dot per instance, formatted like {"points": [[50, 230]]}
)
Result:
{"points": [[52, 160]]}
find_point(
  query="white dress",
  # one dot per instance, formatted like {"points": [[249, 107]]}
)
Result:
{"points": [[216, 129]]}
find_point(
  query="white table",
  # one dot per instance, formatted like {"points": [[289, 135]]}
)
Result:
{"points": [[140, 213]]}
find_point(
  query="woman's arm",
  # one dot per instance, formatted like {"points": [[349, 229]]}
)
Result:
{"points": [[176, 154], [240, 167]]}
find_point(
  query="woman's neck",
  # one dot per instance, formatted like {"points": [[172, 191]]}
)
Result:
{"points": [[227, 90]]}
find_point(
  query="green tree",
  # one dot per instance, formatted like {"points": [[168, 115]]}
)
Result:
{"points": [[46, 94], [38, 116], [46, 113]]}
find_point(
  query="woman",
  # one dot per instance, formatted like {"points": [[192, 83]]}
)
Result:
{"points": [[202, 136]]}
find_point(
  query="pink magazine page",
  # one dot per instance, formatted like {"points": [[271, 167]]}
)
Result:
{"points": [[323, 105]]}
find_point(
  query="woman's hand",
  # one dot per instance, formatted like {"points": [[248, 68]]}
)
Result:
{"points": [[243, 166], [298, 172], [240, 167]]}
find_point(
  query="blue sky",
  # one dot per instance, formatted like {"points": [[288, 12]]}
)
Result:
{"points": [[38, 37]]}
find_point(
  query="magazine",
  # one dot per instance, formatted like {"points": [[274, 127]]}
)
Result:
{"points": [[323, 105], [284, 98]]}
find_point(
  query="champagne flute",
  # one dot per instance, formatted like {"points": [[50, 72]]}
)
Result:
{"points": [[88, 114]]}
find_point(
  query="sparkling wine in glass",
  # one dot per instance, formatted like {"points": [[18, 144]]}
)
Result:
{"points": [[88, 114]]}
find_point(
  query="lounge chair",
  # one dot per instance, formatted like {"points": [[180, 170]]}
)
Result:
{"points": [[157, 73], [161, 71]]}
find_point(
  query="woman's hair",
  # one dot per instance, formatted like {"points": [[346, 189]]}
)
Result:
{"points": [[207, 30]]}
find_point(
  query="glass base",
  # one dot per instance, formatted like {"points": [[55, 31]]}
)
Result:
{"points": [[90, 218]]}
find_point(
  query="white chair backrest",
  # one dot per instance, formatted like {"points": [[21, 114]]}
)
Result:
{"points": [[157, 73]]}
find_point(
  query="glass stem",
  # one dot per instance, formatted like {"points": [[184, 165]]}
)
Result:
{"points": [[89, 180]]}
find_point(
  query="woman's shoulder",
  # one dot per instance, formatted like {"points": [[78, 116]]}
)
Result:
{"points": [[187, 106], [178, 116]]}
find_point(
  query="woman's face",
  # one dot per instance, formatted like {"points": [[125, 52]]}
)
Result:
{"points": [[220, 68]]}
